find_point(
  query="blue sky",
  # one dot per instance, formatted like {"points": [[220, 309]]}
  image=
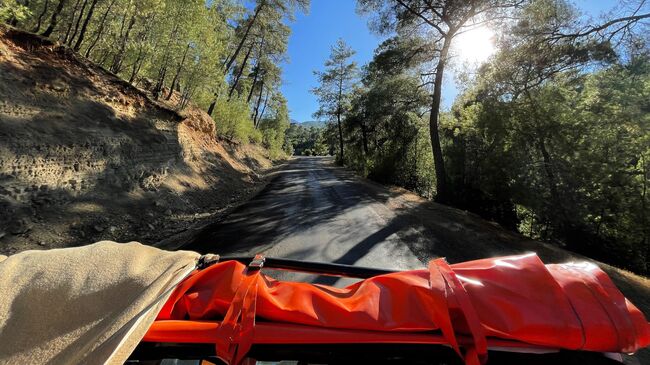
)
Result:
{"points": [[309, 47], [313, 34]]}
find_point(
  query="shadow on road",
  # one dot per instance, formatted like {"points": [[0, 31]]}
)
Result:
{"points": [[299, 198]]}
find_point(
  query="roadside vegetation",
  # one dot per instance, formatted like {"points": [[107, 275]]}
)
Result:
{"points": [[221, 55], [310, 140], [550, 136]]}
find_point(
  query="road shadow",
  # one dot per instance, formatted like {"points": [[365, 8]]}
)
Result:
{"points": [[287, 206]]}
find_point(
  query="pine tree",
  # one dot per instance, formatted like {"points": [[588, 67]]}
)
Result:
{"points": [[336, 83]]}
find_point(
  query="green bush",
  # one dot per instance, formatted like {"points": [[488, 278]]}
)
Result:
{"points": [[232, 118], [273, 140], [11, 9]]}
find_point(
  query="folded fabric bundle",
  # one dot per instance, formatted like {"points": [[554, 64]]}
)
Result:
{"points": [[84, 305]]}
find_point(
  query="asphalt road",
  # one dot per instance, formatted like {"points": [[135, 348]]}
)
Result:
{"points": [[313, 210]]}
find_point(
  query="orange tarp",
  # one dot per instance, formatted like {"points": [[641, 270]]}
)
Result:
{"points": [[470, 306]]}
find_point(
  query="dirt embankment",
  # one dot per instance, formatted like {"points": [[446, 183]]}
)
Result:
{"points": [[86, 156]]}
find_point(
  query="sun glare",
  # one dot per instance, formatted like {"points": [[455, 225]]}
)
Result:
{"points": [[475, 45]]}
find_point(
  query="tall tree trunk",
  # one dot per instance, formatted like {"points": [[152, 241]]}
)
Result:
{"points": [[178, 72], [540, 140], [101, 29], [212, 105], [339, 111], [442, 186], [550, 175], [188, 90], [257, 71], [64, 39], [229, 61], [338, 123], [117, 60], [252, 90], [136, 65], [78, 22], [266, 100], [162, 73], [240, 72], [364, 137], [84, 26], [259, 101], [562, 219], [54, 18], [243, 39], [37, 28]]}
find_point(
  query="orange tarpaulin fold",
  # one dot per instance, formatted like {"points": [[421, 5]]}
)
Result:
{"points": [[471, 305]]}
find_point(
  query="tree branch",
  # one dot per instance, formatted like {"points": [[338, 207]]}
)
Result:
{"points": [[419, 15], [628, 19]]}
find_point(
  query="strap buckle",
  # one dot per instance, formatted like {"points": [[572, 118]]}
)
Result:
{"points": [[257, 263]]}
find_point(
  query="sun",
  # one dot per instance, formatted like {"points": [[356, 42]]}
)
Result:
{"points": [[474, 45]]}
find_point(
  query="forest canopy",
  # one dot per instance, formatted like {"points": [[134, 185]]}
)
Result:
{"points": [[550, 135]]}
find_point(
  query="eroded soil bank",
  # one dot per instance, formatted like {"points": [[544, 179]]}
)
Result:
{"points": [[85, 156]]}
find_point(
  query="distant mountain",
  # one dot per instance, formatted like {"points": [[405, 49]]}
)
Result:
{"points": [[313, 123]]}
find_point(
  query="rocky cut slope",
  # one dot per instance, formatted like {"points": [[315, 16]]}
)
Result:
{"points": [[86, 156]]}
